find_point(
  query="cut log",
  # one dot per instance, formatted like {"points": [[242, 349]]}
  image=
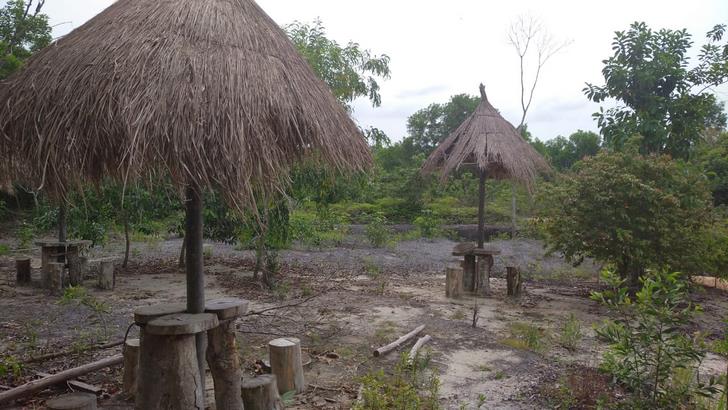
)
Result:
{"points": [[77, 385], [77, 267], [513, 280], [54, 277], [22, 269], [131, 367], [169, 372], [261, 393], [416, 348], [106, 275], [73, 401], [286, 364], [222, 352], [40, 384], [399, 342], [454, 282]]}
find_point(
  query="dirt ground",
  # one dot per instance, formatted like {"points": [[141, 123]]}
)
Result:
{"points": [[342, 303]]}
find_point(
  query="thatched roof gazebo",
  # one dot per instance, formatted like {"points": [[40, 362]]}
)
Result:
{"points": [[493, 147], [211, 93]]}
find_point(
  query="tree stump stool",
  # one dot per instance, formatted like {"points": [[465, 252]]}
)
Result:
{"points": [[513, 281], [261, 393], [22, 269], [222, 352], [77, 267], [286, 364], [107, 278], [52, 277], [169, 373], [454, 282], [73, 401], [131, 367]]}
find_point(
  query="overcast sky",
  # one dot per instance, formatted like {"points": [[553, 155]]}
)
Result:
{"points": [[441, 48]]}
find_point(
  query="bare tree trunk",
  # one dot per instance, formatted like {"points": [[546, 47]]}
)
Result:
{"points": [[127, 244]]}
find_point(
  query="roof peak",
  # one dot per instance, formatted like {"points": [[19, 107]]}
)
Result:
{"points": [[483, 96]]}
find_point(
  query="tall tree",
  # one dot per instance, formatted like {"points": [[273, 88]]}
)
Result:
{"points": [[23, 30], [430, 126], [659, 96], [534, 44], [350, 71]]}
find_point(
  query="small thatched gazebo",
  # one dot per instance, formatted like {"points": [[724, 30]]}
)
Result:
{"points": [[490, 144], [211, 93]]}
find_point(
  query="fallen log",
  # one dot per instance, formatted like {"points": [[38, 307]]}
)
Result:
{"points": [[40, 384], [416, 348], [51, 356], [84, 387], [399, 342]]}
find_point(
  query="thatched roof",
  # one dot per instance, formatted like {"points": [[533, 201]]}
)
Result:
{"points": [[211, 92], [488, 141]]}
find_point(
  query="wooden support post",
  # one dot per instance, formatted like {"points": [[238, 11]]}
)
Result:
{"points": [[222, 352], [286, 364], [261, 393], [454, 282], [53, 279], [131, 367], [73, 401], [513, 279], [22, 269], [469, 273], [169, 374], [77, 267], [106, 275]]}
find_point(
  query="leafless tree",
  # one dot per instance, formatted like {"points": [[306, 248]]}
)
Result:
{"points": [[533, 43]]}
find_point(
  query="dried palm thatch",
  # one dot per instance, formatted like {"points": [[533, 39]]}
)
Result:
{"points": [[489, 142], [210, 92]]}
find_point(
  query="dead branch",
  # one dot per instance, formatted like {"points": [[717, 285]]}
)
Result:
{"points": [[55, 355], [399, 342]]}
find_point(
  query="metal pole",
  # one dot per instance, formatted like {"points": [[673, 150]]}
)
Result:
{"points": [[481, 209], [193, 262]]}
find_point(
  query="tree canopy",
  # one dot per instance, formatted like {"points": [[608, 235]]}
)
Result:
{"points": [[430, 126], [23, 30], [660, 97]]}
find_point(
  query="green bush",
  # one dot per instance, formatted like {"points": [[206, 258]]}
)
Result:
{"points": [[377, 231], [635, 212], [428, 225], [324, 227], [649, 348]]}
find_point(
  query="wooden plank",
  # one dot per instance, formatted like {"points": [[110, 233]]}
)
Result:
{"points": [[85, 387]]}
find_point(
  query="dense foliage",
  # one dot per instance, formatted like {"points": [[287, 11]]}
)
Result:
{"points": [[23, 30], [660, 97], [630, 210]]}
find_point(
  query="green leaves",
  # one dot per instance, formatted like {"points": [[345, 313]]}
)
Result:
{"points": [[349, 71], [661, 98], [22, 32]]}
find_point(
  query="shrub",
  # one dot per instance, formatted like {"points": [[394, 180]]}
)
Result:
{"points": [[377, 231], [648, 345], [571, 334], [635, 212], [427, 224]]}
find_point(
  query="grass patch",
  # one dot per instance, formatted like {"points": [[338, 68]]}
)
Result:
{"points": [[385, 331], [525, 336], [571, 333], [458, 315], [4, 249]]}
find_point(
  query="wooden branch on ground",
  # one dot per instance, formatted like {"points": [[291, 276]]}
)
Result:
{"points": [[260, 312], [84, 387], [40, 384], [416, 348], [52, 356], [399, 342]]}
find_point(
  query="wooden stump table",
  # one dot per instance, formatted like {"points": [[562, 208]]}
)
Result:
{"points": [[222, 352], [67, 253], [169, 373], [477, 265]]}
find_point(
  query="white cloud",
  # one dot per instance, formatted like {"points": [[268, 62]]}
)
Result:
{"points": [[441, 48]]}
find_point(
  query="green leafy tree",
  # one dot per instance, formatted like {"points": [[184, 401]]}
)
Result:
{"points": [[430, 126], [563, 152], [712, 157], [350, 71], [630, 210], [659, 96], [23, 31]]}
